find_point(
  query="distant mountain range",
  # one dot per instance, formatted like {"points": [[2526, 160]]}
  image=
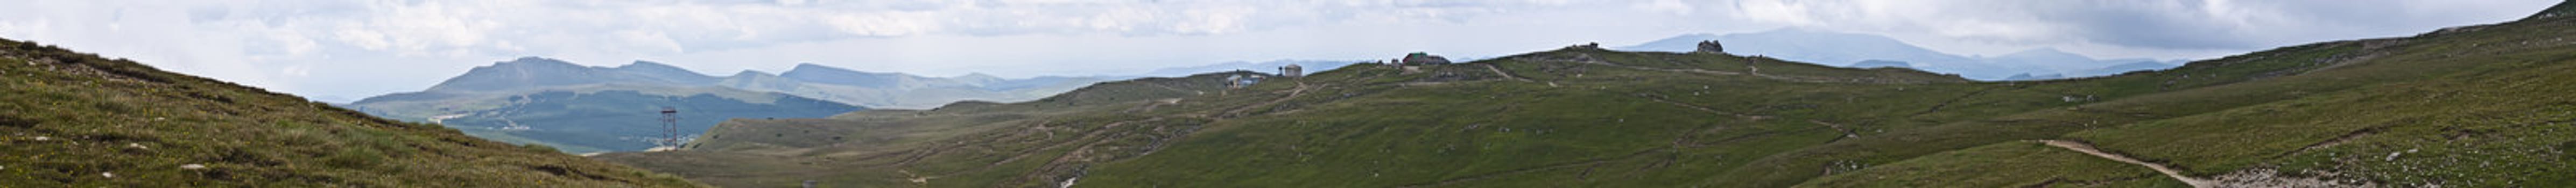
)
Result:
{"points": [[596, 109], [1271, 67], [871, 89], [1864, 50]]}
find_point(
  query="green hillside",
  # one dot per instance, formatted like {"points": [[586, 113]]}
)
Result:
{"points": [[2477, 106], [2483, 108], [69, 119]]}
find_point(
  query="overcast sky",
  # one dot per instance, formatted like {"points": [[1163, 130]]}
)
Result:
{"points": [[356, 48]]}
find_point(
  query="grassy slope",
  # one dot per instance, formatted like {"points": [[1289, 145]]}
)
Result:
{"points": [[1446, 100], [2003, 165], [73, 120], [1581, 117], [2488, 126], [855, 148], [2480, 100]]}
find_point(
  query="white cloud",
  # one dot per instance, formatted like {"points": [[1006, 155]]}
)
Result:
{"points": [[1666, 6]]}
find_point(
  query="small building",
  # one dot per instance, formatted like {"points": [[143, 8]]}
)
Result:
{"points": [[1239, 81], [1420, 58], [1292, 71]]}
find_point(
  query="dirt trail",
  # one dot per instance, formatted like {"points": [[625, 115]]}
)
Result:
{"points": [[1499, 71], [1292, 94], [1847, 132], [2160, 168]]}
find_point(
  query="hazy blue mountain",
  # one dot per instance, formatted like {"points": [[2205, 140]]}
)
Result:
{"points": [[2048, 59], [590, 117], [2028, 76], [589, 109], [666, 73], [873, 89], [1271, 67], [1852, 49], [1881, 63], [812, 73], [535, 73], [898, 90], [622, 120], [2134, 66]]}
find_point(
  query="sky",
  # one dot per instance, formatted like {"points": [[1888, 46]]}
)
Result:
{"points": [[338, 50]]}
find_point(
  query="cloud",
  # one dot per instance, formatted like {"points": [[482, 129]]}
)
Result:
{"points": [[1666, 6]]}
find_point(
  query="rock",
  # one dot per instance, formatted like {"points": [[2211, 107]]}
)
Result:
{"points": [[1711, 46], [107, 174]]}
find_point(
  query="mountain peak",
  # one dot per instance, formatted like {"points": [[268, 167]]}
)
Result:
{"points": [[665, 72], [752, 73], [647, 64], [534, 61], [812, 66], [2046, 55], [978, 75]]}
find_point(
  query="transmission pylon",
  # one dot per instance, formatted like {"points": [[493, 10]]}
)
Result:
{"points": [[670, 128]]}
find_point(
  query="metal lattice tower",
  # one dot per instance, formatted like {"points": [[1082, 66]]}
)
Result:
{"points": [[670, 128]]}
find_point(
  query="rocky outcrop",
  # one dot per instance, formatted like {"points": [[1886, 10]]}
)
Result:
{"points": [[1710, 46]]}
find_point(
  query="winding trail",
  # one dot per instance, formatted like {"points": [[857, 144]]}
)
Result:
{"points": [[1499, 71], [2160, 168]]}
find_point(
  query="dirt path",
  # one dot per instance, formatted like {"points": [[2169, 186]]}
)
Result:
{"points": [[1847, 132], [1499, 71], [1292, 94], [2160, 168]]}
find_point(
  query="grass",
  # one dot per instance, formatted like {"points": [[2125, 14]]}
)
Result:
{"points": [[77, 120], [2010, 164], [1582, 117]]}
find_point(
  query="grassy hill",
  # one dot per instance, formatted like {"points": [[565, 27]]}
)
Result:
{"points": [[2478, 106], [70, 119]]}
